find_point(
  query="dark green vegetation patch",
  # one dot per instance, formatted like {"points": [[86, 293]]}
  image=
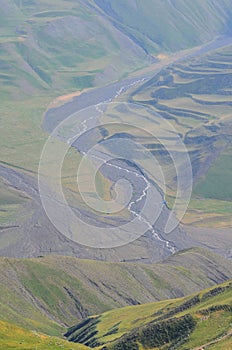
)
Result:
{"points": [[156, 335]]}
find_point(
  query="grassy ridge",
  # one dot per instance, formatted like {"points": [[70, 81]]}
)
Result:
{"points": [[48, 294], [208, 315], [184, 323]]}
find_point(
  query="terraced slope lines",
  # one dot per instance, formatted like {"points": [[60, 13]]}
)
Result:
{"points": [[195, 96]]}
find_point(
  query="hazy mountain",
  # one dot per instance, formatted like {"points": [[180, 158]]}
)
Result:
{"points": [[172, 57]]}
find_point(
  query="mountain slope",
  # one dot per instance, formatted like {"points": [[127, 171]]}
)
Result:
{"points": [[197, 321], [14, 337], [74, 45], [61, 46], [187, 323], [169, 25], [53, 292]]}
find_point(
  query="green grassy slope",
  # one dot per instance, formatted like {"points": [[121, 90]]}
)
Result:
{"points": [[14, 337], [10, 203], [195, 96], [187, 323], [169, 25], [217, 182], [48, 294], [59, 45]]}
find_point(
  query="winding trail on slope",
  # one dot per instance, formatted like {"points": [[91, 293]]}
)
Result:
{"points": [[205, 346]]}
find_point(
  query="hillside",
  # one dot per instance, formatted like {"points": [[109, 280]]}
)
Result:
{"points": [[169, 25], [195, 97], [78, 44], [202, 319], [61, 46], [14, 337], [48, 294], [186, 323]]}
